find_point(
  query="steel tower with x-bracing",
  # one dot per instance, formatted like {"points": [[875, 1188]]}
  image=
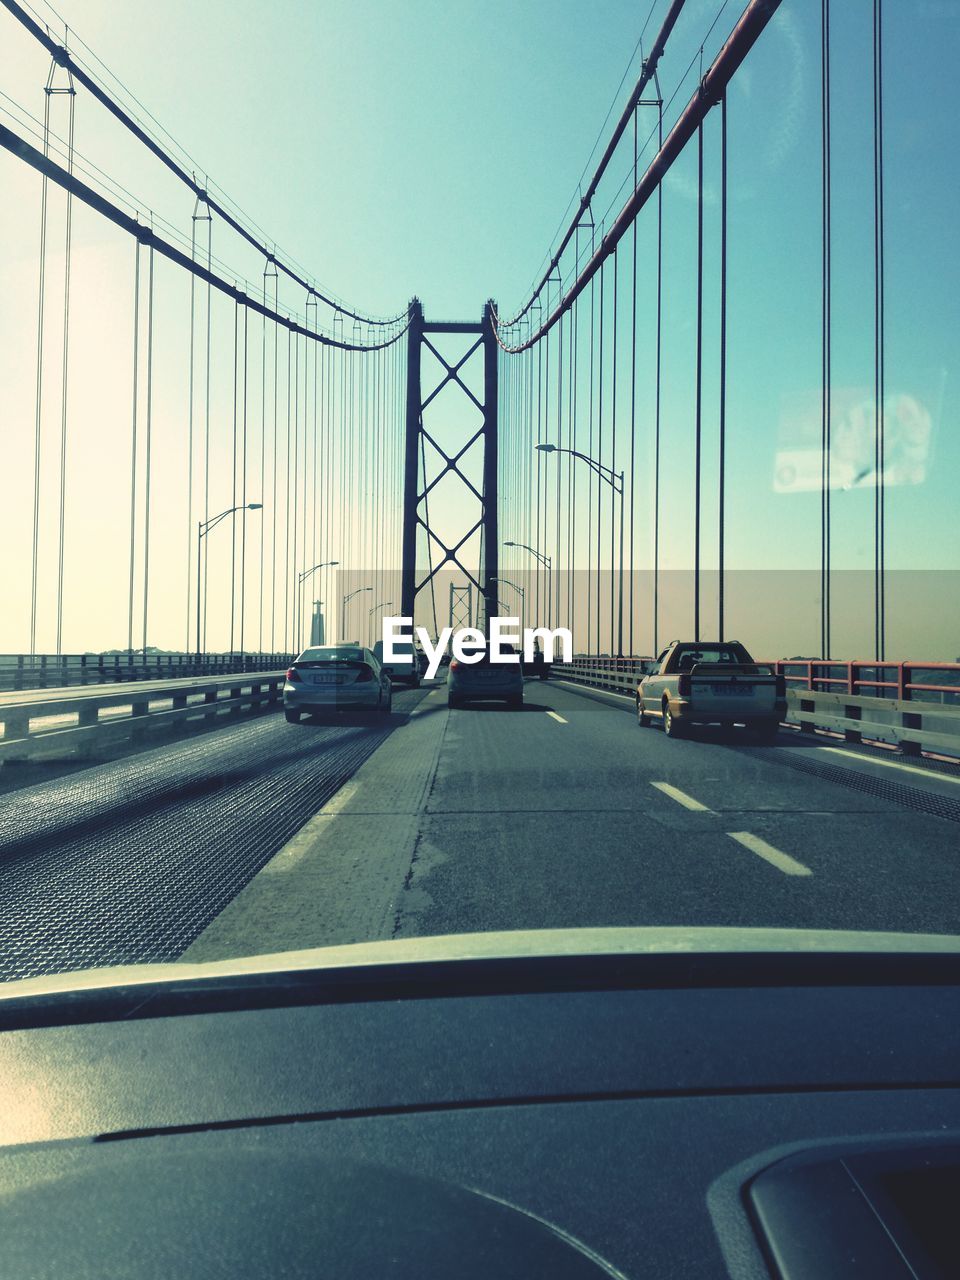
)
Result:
{"points": [[480, 513]]}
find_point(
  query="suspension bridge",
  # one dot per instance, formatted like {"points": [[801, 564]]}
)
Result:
{"points": [[216, 461]]}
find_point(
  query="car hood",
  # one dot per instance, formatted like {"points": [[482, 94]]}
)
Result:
{"points": [[516, 946]]}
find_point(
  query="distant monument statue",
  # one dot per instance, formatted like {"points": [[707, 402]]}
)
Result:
{"points": [[316, 625]]}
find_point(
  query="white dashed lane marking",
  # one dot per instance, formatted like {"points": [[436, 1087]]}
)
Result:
{"points": [[782, 861], [681, 797]]}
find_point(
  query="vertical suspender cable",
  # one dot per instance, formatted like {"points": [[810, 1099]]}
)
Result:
{"points": [[243, 489], [353, 460], [306, 489], [361, 426], [560, 459], [721, 497], [67, 238], [571, 488], [190, 393], [206, 422], [825, 324], [133, 441], [599, 454], [274, 472], [546, 472], [328, 485], [378, 504], [342, 475], [613, 458], [296, 470], [633, 390], [263, 453], [593, 315], [35, 564], [307, 472], [697, 443], [878, 392], [386, 489], [233, 471], [147, 450], [315, 479], [287, 559], [656, 425], [539, 469]]}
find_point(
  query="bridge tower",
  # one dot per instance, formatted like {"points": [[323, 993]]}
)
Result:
{"points": [[478, 510]]}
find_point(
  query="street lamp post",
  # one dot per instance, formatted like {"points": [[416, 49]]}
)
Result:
{"points": [[547, 563], [343, 610], [520, 592], [203, 528], [381, 604], [301, 579], [615, 480]]}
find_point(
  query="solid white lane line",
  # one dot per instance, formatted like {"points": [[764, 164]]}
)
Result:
{"points": [[559, 719], [587, 690], [782, 861], [890, 764], [681, 797]]}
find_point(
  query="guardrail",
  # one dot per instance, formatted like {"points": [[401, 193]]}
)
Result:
{"points": [[617, 675], [39, 725], [902, 681], [914, 713], [54, 671]]}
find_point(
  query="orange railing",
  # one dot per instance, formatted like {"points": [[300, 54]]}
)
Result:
{"points": [[866, 677]]}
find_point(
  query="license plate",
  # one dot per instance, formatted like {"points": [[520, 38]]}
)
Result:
{"points": [[324, 677], [733, 690]]}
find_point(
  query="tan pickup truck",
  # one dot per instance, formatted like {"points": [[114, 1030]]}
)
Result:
{"points": [[715, 682]]}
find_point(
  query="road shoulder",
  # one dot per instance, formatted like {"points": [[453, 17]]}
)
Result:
{"points": [[339, 879]]}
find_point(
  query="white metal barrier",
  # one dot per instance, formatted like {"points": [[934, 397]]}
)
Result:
{"points": [[40, 724], [913, 726]]}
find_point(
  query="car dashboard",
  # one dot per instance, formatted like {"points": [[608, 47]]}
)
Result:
{"points": [[659, 1105]]}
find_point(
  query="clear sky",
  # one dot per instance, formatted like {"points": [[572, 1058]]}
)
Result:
{"points": [[431, 148]]}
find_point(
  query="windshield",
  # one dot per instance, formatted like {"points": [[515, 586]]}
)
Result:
{"points": [[367, 433], [332, 653], [689, 655]]}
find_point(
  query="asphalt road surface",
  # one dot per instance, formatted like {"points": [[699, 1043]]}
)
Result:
{"points": [[265, 836]]}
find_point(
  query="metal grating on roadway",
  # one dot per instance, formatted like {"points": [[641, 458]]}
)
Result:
{"points": [[937, 806], [128, 862]]}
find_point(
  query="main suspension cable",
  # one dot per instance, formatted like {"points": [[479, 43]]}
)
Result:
{"points": [[62, 56], [741, 40], [647, 71], [12, 142]]}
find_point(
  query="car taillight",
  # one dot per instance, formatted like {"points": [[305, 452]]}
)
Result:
{"points": [[364, 674], [683, 685], [454, 664], [294, 676]]}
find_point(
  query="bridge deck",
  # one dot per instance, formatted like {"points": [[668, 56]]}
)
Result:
{"points": [[264, 836]]}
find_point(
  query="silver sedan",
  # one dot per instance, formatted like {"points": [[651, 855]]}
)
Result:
{"points": [[481, 679], [336, 678]]}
